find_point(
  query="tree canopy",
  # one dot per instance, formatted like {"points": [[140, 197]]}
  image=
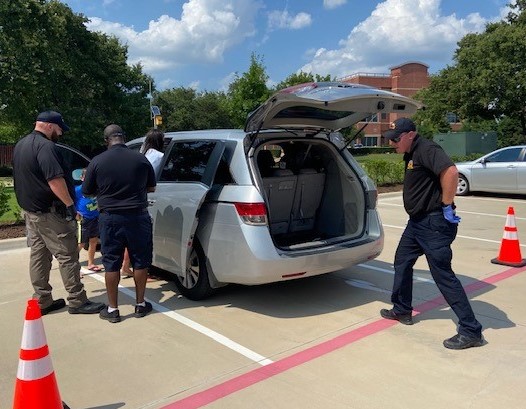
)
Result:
{"points": [[486, 85], [49, 60]]}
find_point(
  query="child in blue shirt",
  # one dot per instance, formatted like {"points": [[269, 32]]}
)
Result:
{"points": [[89, 224]]}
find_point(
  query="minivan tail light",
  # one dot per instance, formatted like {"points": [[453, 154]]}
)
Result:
{"points": [[252, 213]]}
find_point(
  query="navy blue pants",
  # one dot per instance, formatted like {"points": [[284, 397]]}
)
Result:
{"points": [[432, 235]]}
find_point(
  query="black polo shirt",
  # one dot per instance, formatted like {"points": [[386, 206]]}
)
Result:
{"points": [[423, 165], [35, 161], [119, 177]]}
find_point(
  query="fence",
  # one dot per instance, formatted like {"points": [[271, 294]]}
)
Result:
{"points": [[6, 155]]}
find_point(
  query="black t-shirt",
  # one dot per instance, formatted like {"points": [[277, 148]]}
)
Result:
{"points": [[35, 161], [119, 177], [423, 165]]}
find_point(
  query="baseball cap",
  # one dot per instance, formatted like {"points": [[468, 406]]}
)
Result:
{"points": [[53, 117], [398, 127], [113, 130]]}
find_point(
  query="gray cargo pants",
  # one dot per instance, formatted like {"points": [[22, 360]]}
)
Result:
{"points": [[48, 235]]}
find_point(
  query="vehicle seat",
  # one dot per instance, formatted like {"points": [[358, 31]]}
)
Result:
{"points": [[309, 191], [266, 163], [280, 190]]}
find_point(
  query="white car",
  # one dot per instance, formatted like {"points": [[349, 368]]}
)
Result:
{"points": [[501, 171]]}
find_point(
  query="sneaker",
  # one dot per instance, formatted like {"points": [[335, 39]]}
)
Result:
{"points": [[141, 311], [89, 307], [54, 306], [405, 319], [460, 341], [114, 316]]}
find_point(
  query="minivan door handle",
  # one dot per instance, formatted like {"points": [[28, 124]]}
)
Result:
{"points": [[151, 202]]}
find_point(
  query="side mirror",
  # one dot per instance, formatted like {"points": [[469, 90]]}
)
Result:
{"points": [[77, 174]]}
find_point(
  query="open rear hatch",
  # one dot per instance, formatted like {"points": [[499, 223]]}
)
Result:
{"points": [[314, 195]]}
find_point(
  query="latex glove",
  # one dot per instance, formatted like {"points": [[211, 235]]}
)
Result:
{"points": [[71, 213], [450, 215]]}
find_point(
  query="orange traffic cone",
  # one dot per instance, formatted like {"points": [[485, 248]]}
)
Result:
{"points": [[510, 251], [36, 386]]}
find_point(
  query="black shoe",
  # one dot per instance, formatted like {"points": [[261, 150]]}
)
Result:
{"points": [[405, 319], [141, 311], [89, 307], [55, 305], [460, 341], [114, 316]]}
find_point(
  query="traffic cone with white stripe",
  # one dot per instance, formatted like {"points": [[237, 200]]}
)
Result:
{"points": [[510, 251], [36, 386]]}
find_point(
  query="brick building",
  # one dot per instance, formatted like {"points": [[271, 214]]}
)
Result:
{"points": [[405, 79]]}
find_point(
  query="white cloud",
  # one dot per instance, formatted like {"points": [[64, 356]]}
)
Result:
{"points": [[397, 31], [205, 30], [283, 20], [332, 4]]}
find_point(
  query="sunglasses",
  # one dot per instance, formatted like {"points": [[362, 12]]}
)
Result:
{"points": [[397, 139]]}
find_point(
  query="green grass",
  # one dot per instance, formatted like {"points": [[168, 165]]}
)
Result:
{"points": [[14, 209]]}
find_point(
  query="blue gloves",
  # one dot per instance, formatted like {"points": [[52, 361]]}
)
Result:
{"points": [[450, 215]]}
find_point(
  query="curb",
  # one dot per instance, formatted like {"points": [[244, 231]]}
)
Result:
{"points": [[13, 244]]}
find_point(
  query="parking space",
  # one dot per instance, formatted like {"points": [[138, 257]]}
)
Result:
{"points": [[312, 343]]}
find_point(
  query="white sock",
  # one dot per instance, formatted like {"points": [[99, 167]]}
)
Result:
{"points": [[111, 309], [142, 304]]}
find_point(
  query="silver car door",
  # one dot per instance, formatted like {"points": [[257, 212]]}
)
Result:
{"points": [[185, 179], [497, 172], [521, 174]]}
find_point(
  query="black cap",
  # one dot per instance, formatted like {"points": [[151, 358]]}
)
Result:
{"points": [[53, 117], [113, 130], [398, 127]]}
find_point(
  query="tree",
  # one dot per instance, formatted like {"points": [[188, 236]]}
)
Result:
{"points": [[248, 91], [184, 109], [301, 78], [49, 60], [487, 83]]}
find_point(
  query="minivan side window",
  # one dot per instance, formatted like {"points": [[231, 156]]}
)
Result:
{"points": [[187, 161]]}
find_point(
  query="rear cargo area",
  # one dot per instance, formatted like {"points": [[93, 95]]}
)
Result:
{"points": [[313, 196]]}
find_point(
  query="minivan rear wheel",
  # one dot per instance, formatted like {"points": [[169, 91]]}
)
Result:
{"points": [[194, 284]]}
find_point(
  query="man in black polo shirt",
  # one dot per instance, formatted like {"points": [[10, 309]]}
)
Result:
{"points": [[121, 179], [45, 194], [430, 184]]}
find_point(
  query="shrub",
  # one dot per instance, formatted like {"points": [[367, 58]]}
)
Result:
{"points": [[383, 172], [4, 199]]}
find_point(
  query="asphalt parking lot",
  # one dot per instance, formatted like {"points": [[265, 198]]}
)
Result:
{"points": [[312, 343]]}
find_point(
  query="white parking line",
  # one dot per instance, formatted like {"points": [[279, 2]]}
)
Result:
{"points": [[383, 270], [458, 235], [221, 339]]}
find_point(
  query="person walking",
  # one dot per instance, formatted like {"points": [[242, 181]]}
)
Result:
{"points": [[121, 179], [430, 184], [44, 190]]}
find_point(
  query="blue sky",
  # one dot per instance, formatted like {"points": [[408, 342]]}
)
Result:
{"points": [[203, 43]]}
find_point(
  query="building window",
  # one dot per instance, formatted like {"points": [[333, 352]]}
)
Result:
{"points": [[372, 118], [452, 118]]}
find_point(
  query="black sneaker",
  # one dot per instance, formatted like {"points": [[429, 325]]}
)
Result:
{"points": [[55, 305], [114, 316], [89, 307], [460, 341], [141, 311], [405, 319]]}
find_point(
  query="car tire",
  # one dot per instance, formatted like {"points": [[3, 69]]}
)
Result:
{"points": [[463, 186], [195, 284]]}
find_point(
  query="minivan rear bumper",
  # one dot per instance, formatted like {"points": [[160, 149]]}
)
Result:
{"points": [[245, 254]]}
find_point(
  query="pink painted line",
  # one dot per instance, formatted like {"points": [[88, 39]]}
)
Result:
{"points": [[245, 380]]}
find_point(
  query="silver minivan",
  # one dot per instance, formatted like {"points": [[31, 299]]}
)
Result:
{"points": [[280, 200]]}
